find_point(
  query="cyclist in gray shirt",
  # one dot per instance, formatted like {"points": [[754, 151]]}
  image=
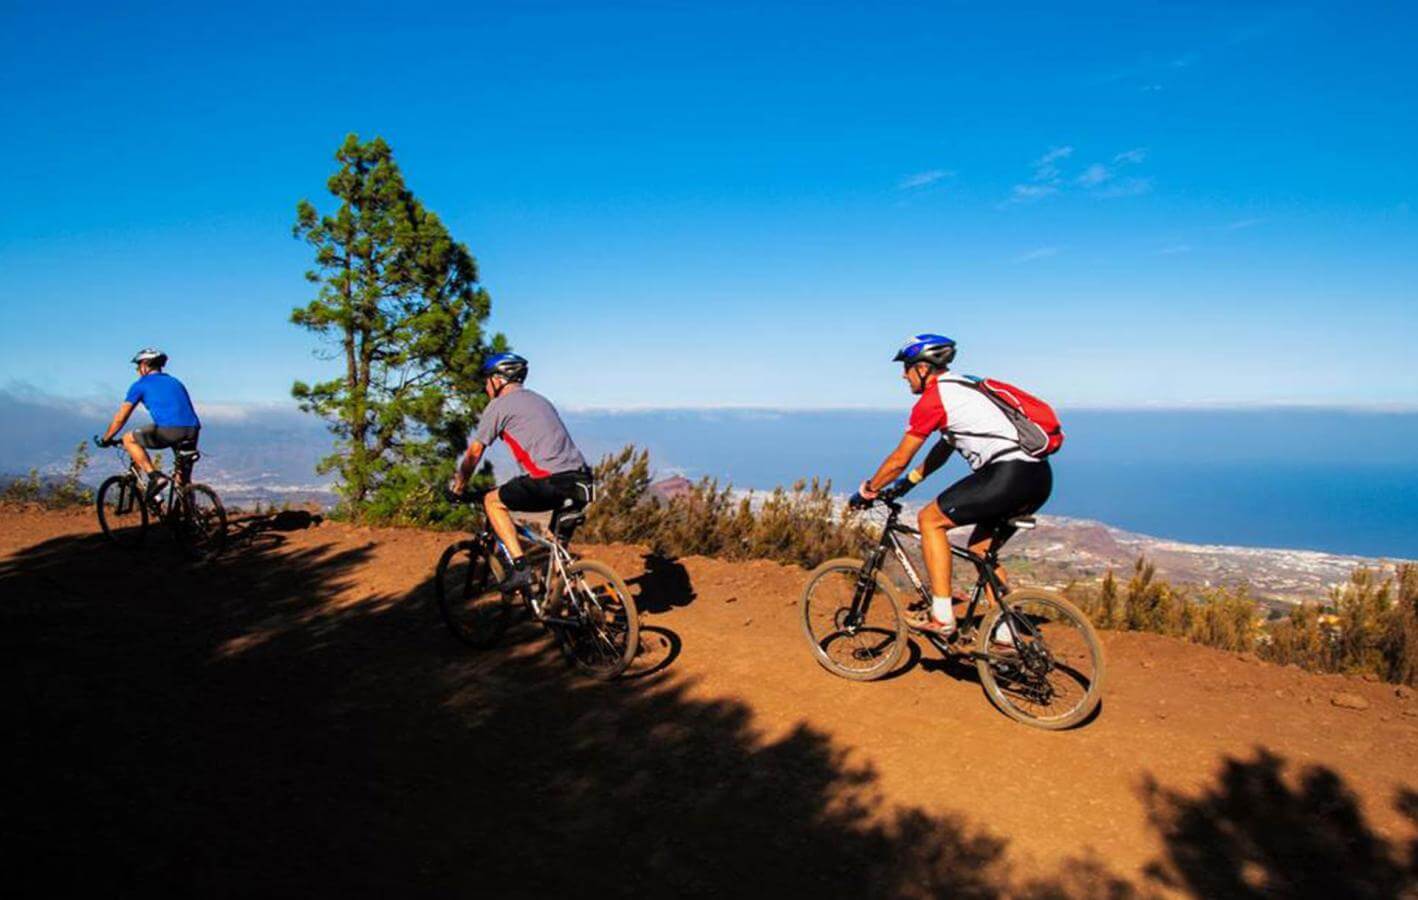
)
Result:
{"points": [[555, 477]]}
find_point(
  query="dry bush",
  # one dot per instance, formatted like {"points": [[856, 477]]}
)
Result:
{"points": [[1151, 604], [800, 525], [1223, 618], [1369, 626], [68, 492]]}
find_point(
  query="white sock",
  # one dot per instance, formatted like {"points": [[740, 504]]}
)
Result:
{"points": [[943, 610]]}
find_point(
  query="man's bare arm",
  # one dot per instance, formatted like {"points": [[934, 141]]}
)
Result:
{"points": [[894, 464], [468, 465], [119, 418]]}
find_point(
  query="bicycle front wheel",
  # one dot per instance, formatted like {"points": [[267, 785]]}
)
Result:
{"points": [[607, 636], [861, 641], [1039, 660], [200, 521], [121, 513], [471, 604]]}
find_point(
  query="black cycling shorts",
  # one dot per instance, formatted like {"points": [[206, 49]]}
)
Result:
{"points": [[997, 492], [563, 490], [154, 437]]}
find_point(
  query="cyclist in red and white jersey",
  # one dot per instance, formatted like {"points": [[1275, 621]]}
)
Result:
{"points": [[1004, 481]]}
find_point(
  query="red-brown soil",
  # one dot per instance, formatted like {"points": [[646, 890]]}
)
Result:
{"points": [[295, 720]]}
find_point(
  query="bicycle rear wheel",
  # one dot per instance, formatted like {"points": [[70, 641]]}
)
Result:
{"points": [[200, 521], [471, 604], [121, 513], [608, 636], [863, 648], [1040, 661]]}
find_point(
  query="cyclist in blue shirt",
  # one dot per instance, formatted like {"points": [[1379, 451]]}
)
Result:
{"points": [[175, 422]]}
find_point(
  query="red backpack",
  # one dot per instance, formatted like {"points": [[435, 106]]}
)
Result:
{"points": [[1040, 433]]}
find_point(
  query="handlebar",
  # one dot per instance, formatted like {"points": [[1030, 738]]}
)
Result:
{"points": [[857, 501], [100, 442], [469, 495]]}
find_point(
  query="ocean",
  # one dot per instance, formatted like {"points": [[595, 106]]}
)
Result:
{"points": [[1335, 481]]}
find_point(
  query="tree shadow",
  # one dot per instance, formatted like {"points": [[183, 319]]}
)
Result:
{"points": [[1251, 834], [252, 729], [665, 584]]}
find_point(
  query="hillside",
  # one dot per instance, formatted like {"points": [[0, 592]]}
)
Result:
{"points": [[295, 720], [1085, 548]]}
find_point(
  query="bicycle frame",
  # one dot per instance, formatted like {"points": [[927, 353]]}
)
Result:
{"points": [[162, 503], [985, 567], [558, 557]]}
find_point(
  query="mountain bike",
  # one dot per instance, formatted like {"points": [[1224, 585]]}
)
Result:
{"points": [[1037, 656], [583, 603], [193, 511]]}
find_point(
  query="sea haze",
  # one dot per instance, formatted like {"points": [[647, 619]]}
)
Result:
{"points": [[1338, 481]]}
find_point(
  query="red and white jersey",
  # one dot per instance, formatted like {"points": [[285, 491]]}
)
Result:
{"points": [[968, 419]]}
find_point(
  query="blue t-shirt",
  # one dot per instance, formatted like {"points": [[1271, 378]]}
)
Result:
{"points": [[166, 400]]}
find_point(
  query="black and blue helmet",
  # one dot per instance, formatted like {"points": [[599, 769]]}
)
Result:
{"points": [[936, 349], [506, 365]]}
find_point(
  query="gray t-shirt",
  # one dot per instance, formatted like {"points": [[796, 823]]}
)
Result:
{"points": [[527, 422]]}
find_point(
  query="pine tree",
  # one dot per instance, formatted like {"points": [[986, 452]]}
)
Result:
{"points": [[400, 302]]}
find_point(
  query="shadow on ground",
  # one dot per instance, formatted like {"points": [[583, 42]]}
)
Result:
{"points": [[235, 731]]}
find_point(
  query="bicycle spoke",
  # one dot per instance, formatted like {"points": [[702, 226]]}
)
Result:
{"points": [[856, 631], [1042, 661]]}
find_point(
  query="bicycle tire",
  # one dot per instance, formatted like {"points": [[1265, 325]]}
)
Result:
{"points": [[993, 685], [465, 583], [609, 637], [119, 493], [882, 657], [201, 524]]}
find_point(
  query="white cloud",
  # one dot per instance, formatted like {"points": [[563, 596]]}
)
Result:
{"points": [[921, 179], [1098, 179], [1094, 175], [1039, 253], [1044, 168], [1242, 223], [1028, 193], [1175, 249], [1127, 187]]}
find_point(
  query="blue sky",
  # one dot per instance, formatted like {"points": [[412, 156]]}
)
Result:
{"points": [[723, 204]]}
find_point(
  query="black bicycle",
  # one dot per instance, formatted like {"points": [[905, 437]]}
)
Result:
{"points": [[1037, 655], [583, 603], [193, 511]]}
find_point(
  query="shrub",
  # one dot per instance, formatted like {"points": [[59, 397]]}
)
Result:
{"points": [[1369, 626], [24, 490], [799, 525], [68, 492]]}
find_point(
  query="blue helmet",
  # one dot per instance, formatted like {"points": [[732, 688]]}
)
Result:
{"points": [[507, 365], [936, 349]]}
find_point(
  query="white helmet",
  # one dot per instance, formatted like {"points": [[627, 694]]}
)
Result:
{"points": [[150, 355]]}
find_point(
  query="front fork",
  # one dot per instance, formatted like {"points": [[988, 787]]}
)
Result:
{"points": [[865, 589]]}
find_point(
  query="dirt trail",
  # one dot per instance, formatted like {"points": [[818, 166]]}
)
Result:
{"points": [[295, 719]]}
